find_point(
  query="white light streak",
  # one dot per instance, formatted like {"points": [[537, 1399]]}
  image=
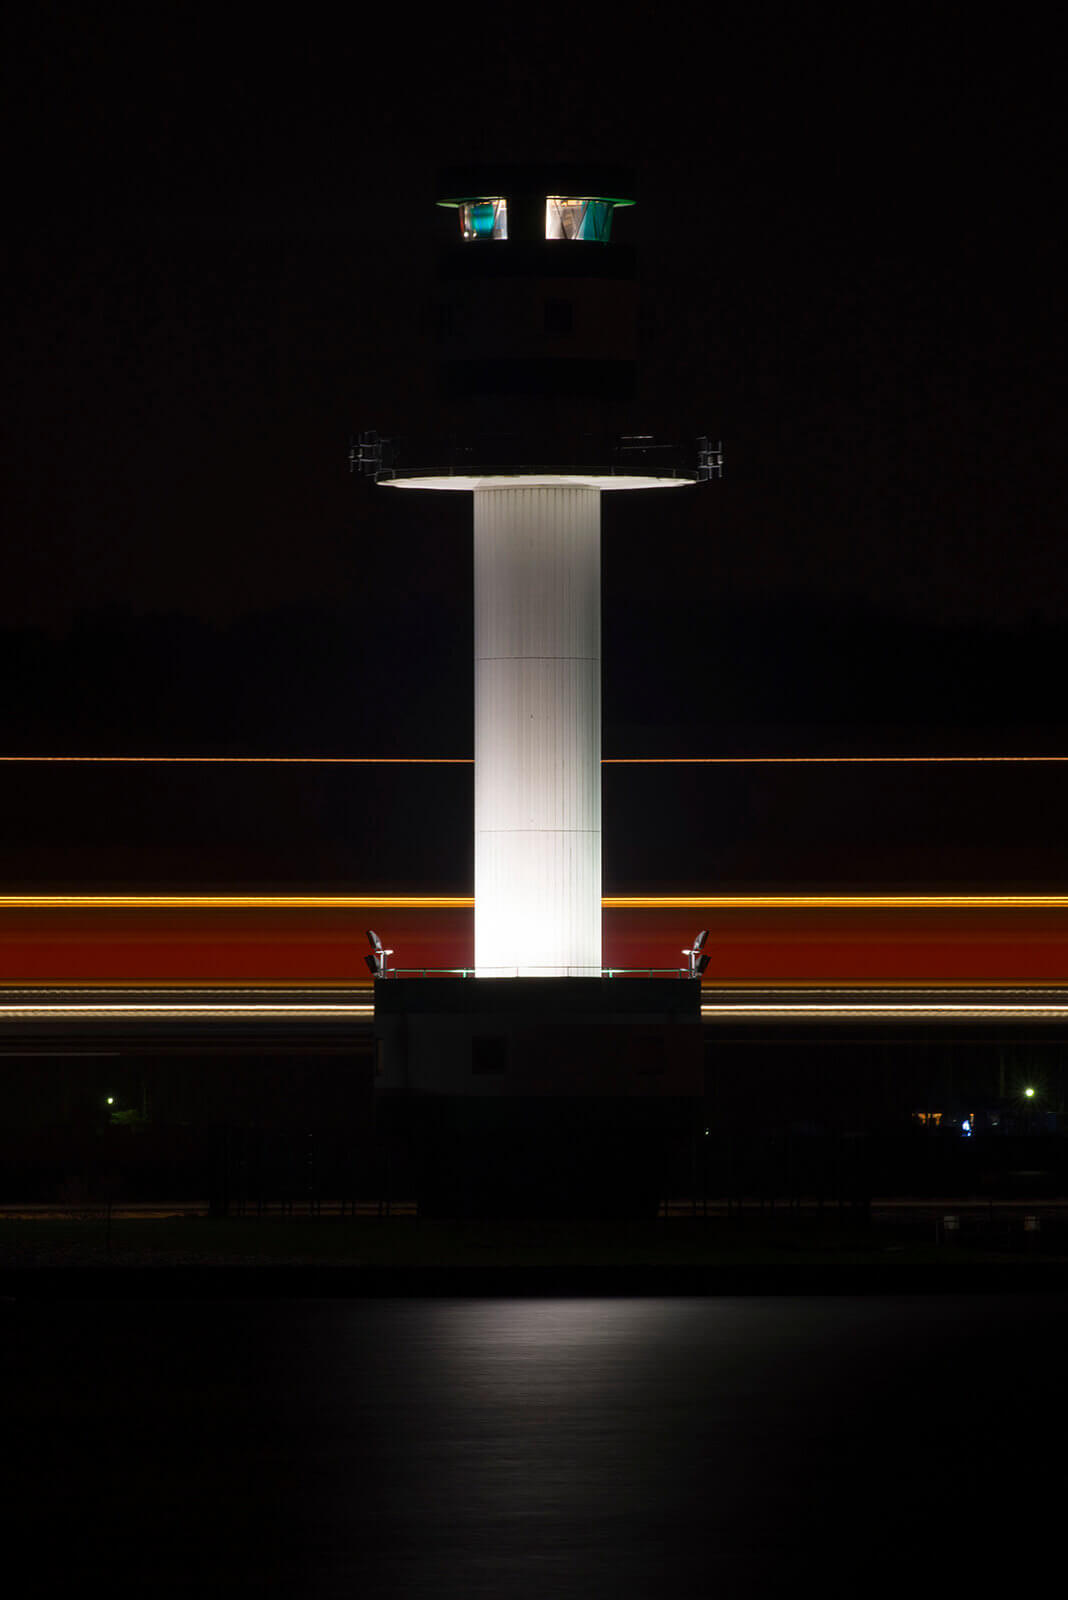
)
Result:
{"points": [[888, 1011], [177, 1011]]}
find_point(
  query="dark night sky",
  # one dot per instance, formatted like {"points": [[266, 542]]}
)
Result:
{"points": [[222, 240]]}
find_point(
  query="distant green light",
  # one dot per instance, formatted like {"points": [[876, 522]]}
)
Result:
{"points": [[111, 1099], [1029, 1094]]}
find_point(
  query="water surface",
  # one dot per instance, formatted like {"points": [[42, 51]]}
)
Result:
{"points": [[601, 1447]]}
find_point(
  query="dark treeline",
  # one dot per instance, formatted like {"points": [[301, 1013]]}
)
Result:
{"points": [[776, 680], [291, 682]]}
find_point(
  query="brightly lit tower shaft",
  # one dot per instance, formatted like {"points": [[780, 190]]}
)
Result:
{"points": [[537, 614]]}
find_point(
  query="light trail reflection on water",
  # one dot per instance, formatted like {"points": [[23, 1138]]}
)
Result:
{"points": [[614, 1447]]}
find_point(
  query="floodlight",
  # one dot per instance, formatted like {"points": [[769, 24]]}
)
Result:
{"points": [[698, 962], [366, 453], [377, 964], [709, 459]]}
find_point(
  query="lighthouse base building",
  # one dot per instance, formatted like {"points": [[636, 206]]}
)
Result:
{"points": [[531, 1097]]}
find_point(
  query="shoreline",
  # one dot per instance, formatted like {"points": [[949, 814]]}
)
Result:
{"points": [[211, 1283], [408, 1256]]}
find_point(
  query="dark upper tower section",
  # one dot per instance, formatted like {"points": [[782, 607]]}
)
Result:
{"points": [[536, 304], [535, 336]]}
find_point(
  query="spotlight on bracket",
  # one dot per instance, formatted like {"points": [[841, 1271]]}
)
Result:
{"points": [[698, 961], [376, 962], [371, 456], [709, 459]]}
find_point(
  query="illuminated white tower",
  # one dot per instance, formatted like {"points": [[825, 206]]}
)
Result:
{"points": [[537, 550], [537, 574], [536, 326]]}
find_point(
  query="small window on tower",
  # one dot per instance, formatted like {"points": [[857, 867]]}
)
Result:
{"points": [[485, 218], [570, 218]]}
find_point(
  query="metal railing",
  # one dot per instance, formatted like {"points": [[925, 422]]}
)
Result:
{"points": [[525, 972]]}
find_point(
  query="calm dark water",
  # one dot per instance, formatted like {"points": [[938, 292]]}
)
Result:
{"points": [[602, 1447]]}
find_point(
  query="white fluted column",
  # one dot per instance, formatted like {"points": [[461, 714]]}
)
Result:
{"points": [[537, 730]]}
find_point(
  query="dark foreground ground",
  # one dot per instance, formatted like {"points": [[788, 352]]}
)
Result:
{"points": [[919, 1247]]}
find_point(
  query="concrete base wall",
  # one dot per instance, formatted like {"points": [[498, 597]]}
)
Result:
{"points": [[534, 1097]]}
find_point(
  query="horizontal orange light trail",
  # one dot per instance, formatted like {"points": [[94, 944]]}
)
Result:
{"points": [[233, 902], [401, 902], [813, 761], [298, 939], [246, 761], [468, 761], [835, 902]]}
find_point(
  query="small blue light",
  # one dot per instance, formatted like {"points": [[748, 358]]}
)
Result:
{"points": [[966, 1128]]}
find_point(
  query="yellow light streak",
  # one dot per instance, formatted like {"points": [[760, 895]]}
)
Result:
{"points": [[416, 902], [232, 902], [835, 902]]}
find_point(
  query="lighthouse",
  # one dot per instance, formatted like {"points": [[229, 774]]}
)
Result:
{"points": [[535, 322], [537, 418]]}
